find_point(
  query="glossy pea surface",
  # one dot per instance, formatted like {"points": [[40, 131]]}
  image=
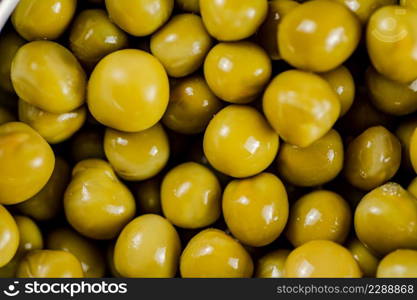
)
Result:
{"points": [[364, 9], [231, 20], [139, 18], [181, 45], [321, 259], [191, 196], [413, 149], [213, 253], [239, 142], [404, 132], [271, 265], [53, 127], [256, 209], [409, 3], [96, 191], [372, 158], [49, 264], [30, 236], [401, 263], [208, 139], [149, 246], [47, 203], [128, 90], [395, 210], [93, 36], [341, 80], [26, 162], [9, 234], [366, 259], [389, 96], [10, 42], [237, 72], [191, 106], [46, 19], [308, 41], [319, 215], [313, 165], [392, 31], [138, 155], [48, 75], [89, 255], [267, 34], [300, 106]]}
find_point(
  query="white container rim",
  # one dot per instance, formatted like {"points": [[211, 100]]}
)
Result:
{"points": [[6, 9]]}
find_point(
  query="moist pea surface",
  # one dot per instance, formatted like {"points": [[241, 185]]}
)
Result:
{"points": [[209, 139]]}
